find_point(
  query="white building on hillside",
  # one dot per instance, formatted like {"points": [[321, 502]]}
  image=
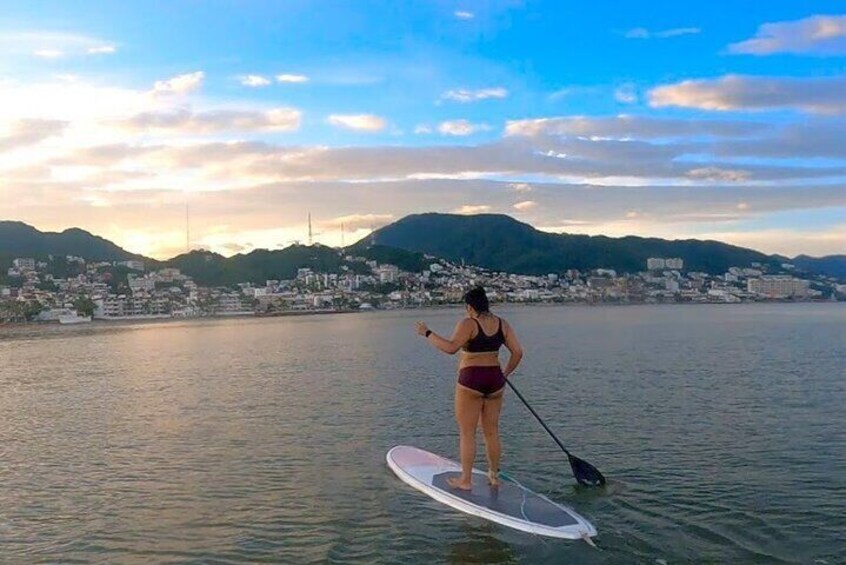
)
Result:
{"points": [[675, 263], [133, 264], [654, 264], [24, 264], [779, 286], [388, 273]]}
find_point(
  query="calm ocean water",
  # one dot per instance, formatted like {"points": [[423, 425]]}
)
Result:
{"points": [[721, 428]]}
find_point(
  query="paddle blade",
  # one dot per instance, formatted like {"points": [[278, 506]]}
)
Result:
{"points": [[585, 473]]}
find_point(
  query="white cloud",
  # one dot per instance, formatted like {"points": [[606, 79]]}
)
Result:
{"points": [[734, 92], [461, 127], [243, 210], [719, 174], [464, 15], [102, 50], [785, 241], [49, 53], [589, 162], [184, 121], [693, 171], [579, 90], [625, 126], [181, 84], [525, 205], [464, 95], [638, 33], [86, 106], [819, 138], [51, 44], [253, 81], [292, 78], [564, 225], [361, 122], [626, 94], [643, 33], [355, 222], [816, 35], [422, 129], [678, 31], [22, 133], [470, 209]]}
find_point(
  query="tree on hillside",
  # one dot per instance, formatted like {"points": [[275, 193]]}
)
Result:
{"points": [[20, 311], [84, 306]]}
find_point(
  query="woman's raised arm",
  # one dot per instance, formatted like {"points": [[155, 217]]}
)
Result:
{"points": [[460, 336]]}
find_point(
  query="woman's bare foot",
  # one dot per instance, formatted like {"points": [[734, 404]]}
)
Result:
{"points": [[493, 478], [459, 483]]}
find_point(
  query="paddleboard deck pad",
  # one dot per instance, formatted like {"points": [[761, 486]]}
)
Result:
{"points": [[509, 504]]}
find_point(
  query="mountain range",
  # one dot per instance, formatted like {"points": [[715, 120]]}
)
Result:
{"points": [[18, 239], [491, 241], [501, 243]]}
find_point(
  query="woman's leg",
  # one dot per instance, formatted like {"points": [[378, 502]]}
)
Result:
{"points": [[468, 405], [490, 426]]}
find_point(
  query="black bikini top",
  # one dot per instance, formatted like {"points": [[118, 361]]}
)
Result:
{"points": [[483, 343]]}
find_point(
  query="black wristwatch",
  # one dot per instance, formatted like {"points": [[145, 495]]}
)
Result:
{"points": [[427, 334]]}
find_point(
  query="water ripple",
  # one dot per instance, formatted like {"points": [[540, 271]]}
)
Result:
{"points": [[263, 441]]}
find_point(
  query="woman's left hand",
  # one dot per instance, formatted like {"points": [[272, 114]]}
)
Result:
{"points": [[422, 328]]}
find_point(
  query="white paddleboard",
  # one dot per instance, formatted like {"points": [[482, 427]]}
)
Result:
{"points": [[509, 504]]}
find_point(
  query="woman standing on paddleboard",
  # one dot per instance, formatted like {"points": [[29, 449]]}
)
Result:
{"points": [[481, 380]]}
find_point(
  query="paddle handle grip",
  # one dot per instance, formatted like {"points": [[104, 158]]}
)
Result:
{"points": [[535, 414]]}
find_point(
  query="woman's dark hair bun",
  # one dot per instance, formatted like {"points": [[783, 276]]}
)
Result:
{"points": [[477, 299]]}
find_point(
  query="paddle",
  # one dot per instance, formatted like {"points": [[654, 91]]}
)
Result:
{"points": [[585, 473]]}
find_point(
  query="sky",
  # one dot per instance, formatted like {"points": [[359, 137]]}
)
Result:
{"points": [[183, 124]]}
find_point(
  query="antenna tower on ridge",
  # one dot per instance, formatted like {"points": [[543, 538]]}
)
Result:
{"points": [[310, 241]]}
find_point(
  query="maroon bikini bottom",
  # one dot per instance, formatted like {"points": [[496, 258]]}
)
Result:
{"points": [[485, 380]]}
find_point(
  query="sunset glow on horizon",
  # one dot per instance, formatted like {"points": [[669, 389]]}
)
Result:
{"points": [[692, 121]]}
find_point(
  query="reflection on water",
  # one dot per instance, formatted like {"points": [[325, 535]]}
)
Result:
{"points": [[479, 544], [720, 429]]}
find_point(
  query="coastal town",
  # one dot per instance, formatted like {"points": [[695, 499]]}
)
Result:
{"points": [[126, 290]]}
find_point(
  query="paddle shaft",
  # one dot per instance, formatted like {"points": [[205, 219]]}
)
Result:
{"points": [[535, 414]]}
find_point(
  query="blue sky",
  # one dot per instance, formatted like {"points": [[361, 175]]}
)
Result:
{"points": [[670, 119]]}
